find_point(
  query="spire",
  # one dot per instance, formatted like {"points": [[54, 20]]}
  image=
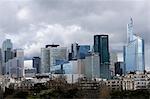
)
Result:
{"points": [[131, 21], [130, 30]]}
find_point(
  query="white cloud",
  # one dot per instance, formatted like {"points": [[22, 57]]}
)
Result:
{"points": [[23, 14], [40, 35]]}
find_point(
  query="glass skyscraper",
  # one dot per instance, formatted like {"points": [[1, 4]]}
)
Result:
{"points": [[7, 54], [36, 63], [134, 51], [101, 46]]}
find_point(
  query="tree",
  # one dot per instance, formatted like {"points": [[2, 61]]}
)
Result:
{"points": [[104, 92]]}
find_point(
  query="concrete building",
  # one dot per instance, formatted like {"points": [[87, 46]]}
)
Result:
{"points": [[92, 66], [16, 65], [52, 55], [135, 82], [113, 60], [115, 84], [30, 72]]}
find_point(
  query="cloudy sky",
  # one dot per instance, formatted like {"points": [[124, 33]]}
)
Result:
{"points": [[33, 23]]}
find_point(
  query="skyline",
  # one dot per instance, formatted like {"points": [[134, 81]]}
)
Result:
{"points": [[72, 21]]}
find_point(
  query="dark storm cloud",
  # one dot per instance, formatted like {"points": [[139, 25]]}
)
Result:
{"points": [[72, 20]]}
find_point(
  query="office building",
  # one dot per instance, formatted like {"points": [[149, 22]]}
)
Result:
{"points": [[79, 51], [7, 47], [119, 68], [7, 54], [45, 60], [72, 70], [30, 72], [74, 50], [92, 66], [83, 51], [135, 82], [101, 46], [113, 60], [16, 65], [114, 84], [36, 63], [134, 51], [1, 67], [52, 55]]}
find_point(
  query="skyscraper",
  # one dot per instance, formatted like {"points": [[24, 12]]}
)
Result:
{"points": [[45, 60], [74, 50], [83, 51], [1, 67], [16, 65], [79, 51], [36, 63], [119, 68], [7, 53], [101, 46], [134, 51], [113, 60], [92, 66], [52, 55]]}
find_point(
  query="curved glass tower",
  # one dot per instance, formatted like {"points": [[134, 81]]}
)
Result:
{"points": [[134, 51]]}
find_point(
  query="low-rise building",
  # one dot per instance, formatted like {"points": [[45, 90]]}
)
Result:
{"points": [[115, 84], [135, 81]]}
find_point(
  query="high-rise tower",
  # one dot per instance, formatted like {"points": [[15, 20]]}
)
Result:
{"points": [[101, 47], [134, 51], [52, 55], [7, 54], [130, 31]]}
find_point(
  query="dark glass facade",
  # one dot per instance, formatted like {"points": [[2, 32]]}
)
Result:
{"points": [[101, 46], [119, 68], [37, 63]]}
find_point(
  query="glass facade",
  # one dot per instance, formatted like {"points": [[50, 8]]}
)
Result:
{"points": [[52, 56], [134, 52], [83, 51], [119, 68], [7, 54], [36, 63], [79, 51], [66, 68], [101, 46]]}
